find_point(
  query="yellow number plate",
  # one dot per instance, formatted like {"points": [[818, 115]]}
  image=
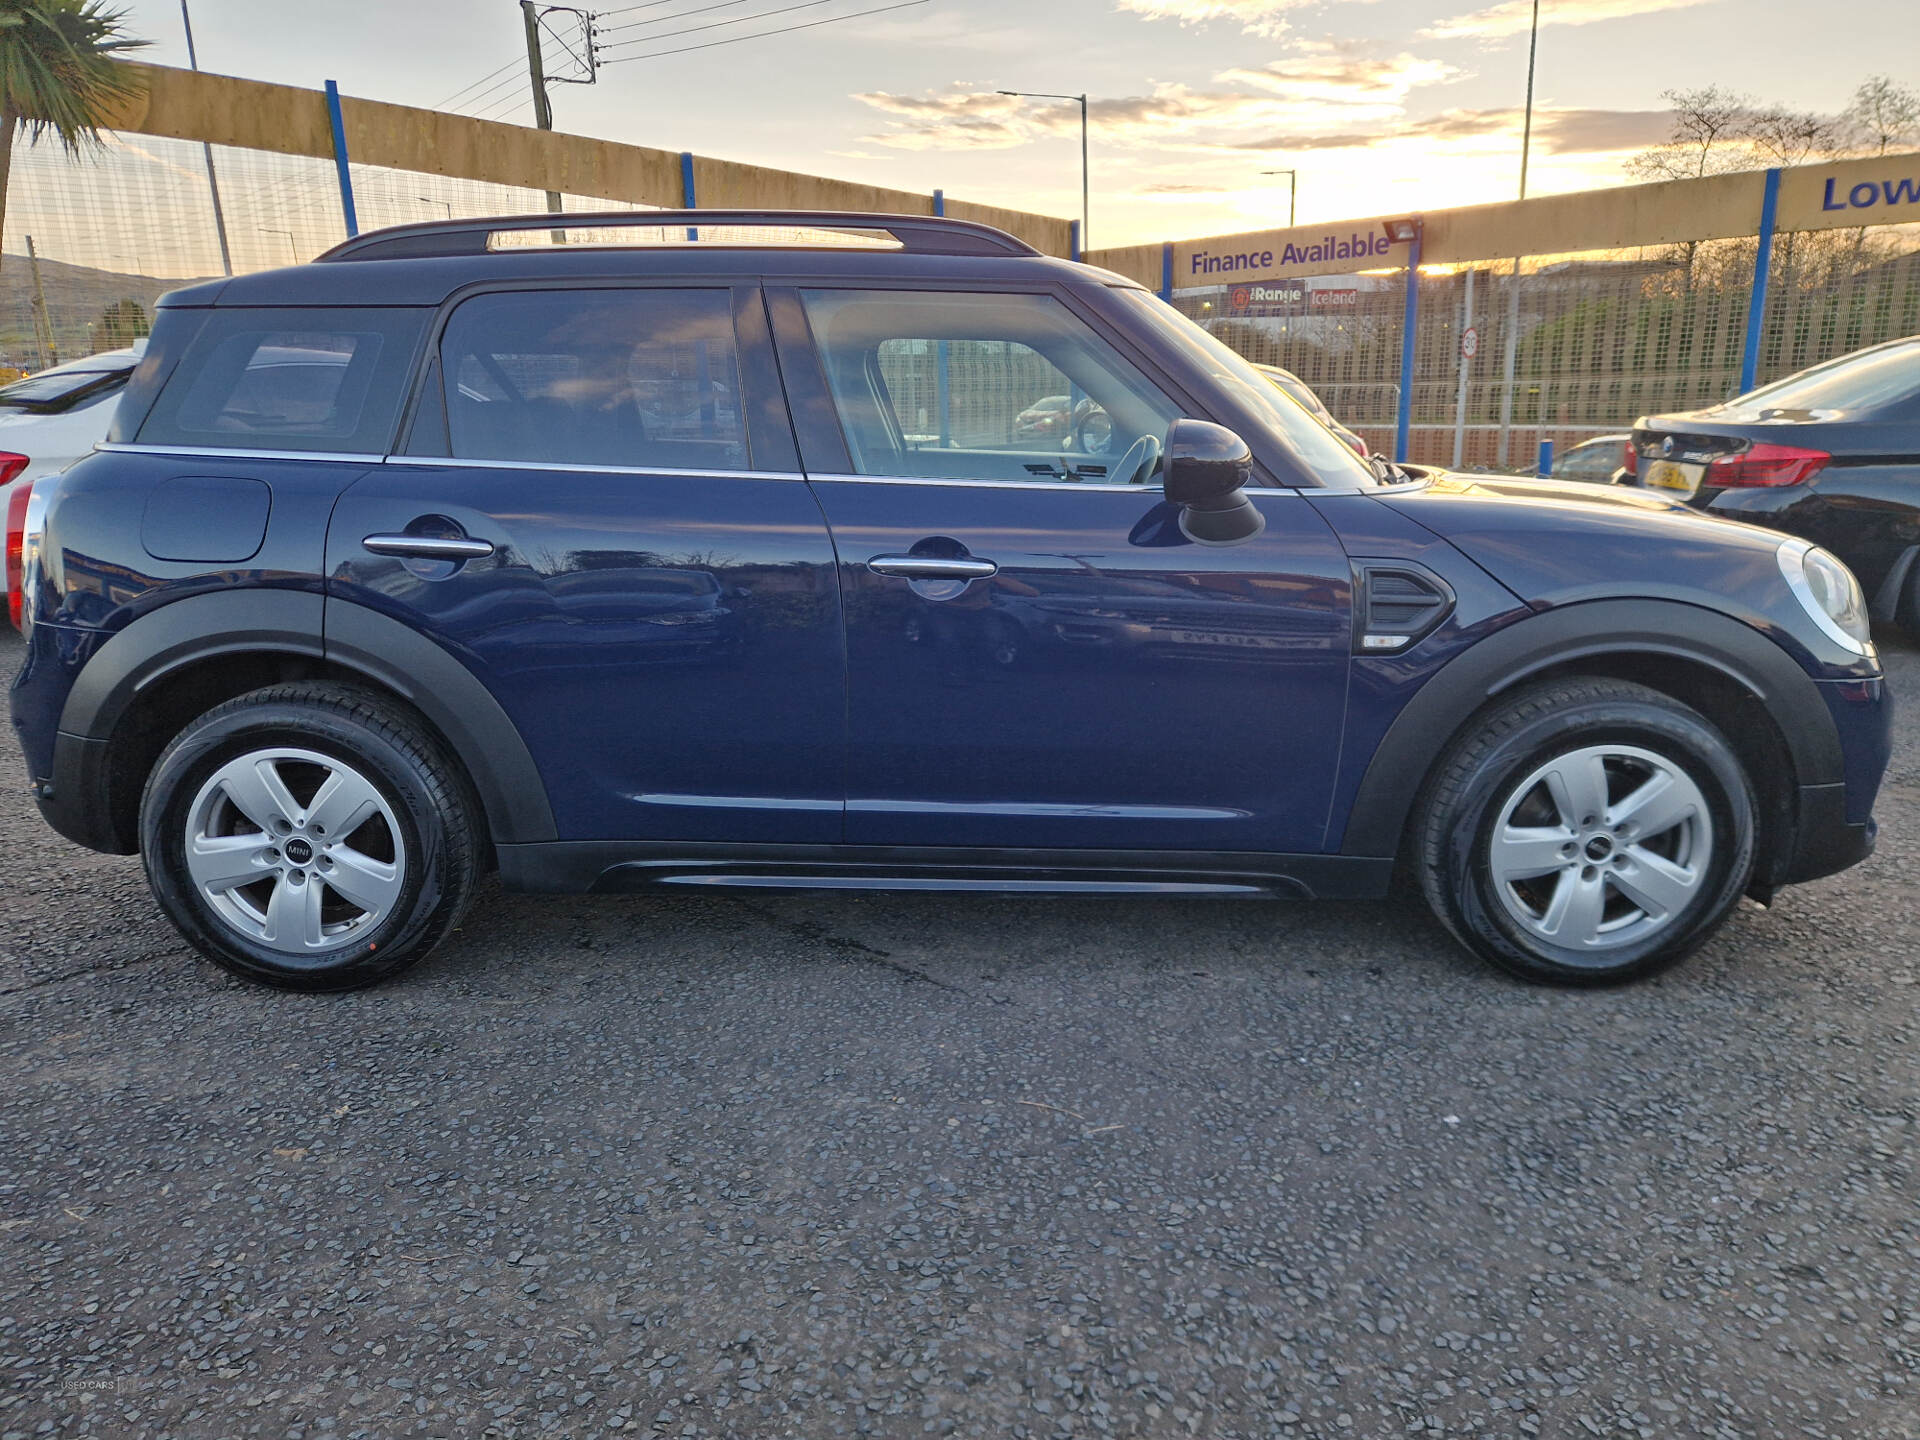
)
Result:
{"points": [[1674, 475]]}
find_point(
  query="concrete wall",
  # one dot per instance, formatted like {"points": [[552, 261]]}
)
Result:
{"points": [[1880, 191], [256, 115]]}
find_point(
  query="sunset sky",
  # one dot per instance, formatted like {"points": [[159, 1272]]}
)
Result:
{"points": [[1395, 104]]}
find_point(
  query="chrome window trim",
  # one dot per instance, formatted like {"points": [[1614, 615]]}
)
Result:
{"points": [[447, 462], [991, 484], [441, 461], [202, 452], [1030, 484]]}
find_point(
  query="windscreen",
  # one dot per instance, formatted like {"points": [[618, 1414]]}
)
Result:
{"points": [[62, 389], [1321, 451]]}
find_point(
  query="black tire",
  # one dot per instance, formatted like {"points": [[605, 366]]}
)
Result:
{"points": [[1906, 613], [432, 832], [1484, 772]]}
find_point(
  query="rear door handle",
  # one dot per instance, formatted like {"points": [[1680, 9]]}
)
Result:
{"points": [[428, 547], [932, 567]]}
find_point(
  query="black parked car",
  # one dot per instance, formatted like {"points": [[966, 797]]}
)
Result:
{"points": [[1831, 454]]}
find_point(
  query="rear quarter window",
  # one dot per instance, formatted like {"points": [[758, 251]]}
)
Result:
{"points": [[273, 379]]}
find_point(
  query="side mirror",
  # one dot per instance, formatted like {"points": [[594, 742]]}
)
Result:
{"points": [[1207, 467]]}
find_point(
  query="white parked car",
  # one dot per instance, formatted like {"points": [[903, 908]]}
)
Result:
{"points": [[50, 419]]}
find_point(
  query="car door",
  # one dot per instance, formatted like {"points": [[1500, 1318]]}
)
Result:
{"points": [[1037, 654], [599, 514]]}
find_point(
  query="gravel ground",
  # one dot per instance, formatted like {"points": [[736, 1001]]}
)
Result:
{"points": [[899, 1165]]}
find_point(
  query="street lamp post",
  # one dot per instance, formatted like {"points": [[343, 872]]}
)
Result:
{"points": [[1293, 190], [206, 153], [1526, 131], [1513, 289], [1085, 183]]}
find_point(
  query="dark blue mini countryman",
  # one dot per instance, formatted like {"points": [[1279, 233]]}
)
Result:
{"points": [[737, 557]]}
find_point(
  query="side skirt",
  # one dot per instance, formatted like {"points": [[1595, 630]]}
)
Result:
{"points": [[614, 867]]}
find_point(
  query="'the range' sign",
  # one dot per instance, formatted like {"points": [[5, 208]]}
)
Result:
{"points": [[1244, 298]]}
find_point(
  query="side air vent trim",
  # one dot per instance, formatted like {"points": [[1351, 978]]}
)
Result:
{"points": [[1395, 605]]}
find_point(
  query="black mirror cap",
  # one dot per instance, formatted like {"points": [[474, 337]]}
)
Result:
{"points": [[1205, 463], [1207, 468]]}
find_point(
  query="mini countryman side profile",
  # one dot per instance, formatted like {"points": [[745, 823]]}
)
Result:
{"points": [[737, 557]]}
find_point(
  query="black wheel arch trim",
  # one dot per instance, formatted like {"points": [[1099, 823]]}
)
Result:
{"points": [[309, 625], [183, 632], [1428, 723]]}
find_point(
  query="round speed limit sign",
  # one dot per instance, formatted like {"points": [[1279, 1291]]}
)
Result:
{"points": [[1469, 342]]}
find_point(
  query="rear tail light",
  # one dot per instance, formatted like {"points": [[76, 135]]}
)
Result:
{"points": [[1630, 458], [16, 548], [1764, 464], [1359, 446]]}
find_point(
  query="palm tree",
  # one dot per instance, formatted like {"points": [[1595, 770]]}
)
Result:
{"points": [[60, 73]]}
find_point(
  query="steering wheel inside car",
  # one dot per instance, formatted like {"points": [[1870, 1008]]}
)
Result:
{"points": [[1137, 465]]}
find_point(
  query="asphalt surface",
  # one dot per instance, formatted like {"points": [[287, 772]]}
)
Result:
{"points": [[827, 1165]]}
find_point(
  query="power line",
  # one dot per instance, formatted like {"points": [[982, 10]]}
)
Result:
{"points": [[486, 96], [510, 65], [662, 19], [743, 19], [629, 9], [585, 62], [763, 34], [502, 107]]}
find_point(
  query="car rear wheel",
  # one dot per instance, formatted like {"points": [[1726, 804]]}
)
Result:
{"points": [[309, 836], [1586, 832]]}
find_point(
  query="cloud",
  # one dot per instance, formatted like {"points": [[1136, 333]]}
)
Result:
{"points": [[1338, 77], [1257, 17], [1555, 132], [1302, 96], [960, 118], [1515, 17], [1178, 188], [948, 30]]}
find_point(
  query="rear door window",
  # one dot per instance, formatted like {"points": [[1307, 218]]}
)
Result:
{"points": [[642, 378], [1862, 381], [270, 379]]}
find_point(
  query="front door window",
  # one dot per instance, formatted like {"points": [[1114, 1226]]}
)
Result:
{"points": [[1007, 388]]}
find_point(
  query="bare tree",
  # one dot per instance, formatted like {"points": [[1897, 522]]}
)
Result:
{"points": [[1792, 137], [1883, 115], [1708, 137]]}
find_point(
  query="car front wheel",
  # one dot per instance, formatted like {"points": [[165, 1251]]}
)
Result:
{"points": [[1587, 832], [309, 836]]}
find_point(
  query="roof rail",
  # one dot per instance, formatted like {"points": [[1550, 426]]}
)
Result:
{"points": [[917, 234]]}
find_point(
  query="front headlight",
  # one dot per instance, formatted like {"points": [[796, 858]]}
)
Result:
{"points": [[1828, 592]]}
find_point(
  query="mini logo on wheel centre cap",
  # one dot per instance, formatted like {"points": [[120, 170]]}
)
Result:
{"points": [[299, 851]]}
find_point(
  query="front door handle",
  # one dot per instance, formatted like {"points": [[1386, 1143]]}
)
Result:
{"points": [[932, 567], [428, 547]]}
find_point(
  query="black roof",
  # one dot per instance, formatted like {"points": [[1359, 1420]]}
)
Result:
{"points": [[423, 264]]}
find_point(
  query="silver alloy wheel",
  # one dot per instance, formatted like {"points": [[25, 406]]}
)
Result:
{"points": [[295, 850], [1601, 847]]}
